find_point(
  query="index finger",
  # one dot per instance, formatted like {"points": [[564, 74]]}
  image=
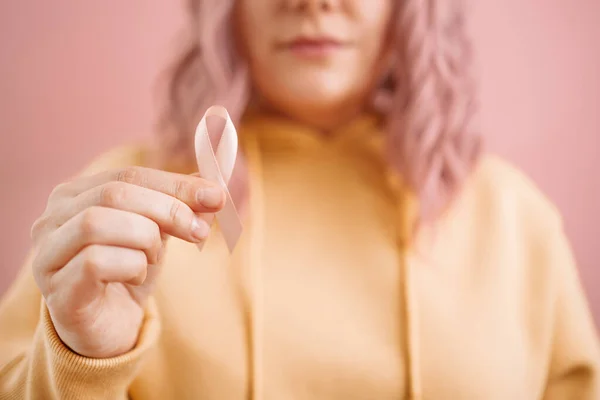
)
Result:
{"points": [[192, 190]]}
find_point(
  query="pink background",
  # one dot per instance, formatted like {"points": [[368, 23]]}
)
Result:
{"points": [[76, 79]]}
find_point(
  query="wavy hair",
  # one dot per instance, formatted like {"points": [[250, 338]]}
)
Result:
{"points": [[427, 97]]}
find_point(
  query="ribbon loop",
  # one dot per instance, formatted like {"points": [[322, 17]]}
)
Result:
{"points": [[217, 167]]}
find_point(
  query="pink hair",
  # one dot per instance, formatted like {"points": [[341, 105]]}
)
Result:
{"points": [[427, 97]]}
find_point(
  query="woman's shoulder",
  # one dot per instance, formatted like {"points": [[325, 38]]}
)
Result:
{"points": [[508, 221], [498, 186]]}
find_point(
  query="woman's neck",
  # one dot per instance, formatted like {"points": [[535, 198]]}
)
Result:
{"points": [[324, 119]]}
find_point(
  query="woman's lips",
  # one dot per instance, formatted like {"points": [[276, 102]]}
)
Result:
{"points": [[313, 47]]}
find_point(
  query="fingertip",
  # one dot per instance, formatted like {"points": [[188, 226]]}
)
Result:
{"points": [[212, 197], [200, 229], [140, 278]]}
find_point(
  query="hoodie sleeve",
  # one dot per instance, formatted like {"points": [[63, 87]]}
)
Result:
{"points": [[575, 358], [35, 364]]}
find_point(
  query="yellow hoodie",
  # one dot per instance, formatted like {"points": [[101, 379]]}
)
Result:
{"points": [[321, 300]]}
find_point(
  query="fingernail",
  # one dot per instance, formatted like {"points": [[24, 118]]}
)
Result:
{"points": [[210, 196], [200, 228]]}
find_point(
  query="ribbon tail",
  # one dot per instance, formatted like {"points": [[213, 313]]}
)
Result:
{"points": [[230, 223]]}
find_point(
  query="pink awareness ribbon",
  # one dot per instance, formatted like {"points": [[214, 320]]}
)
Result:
{"points": [[217, 167]]}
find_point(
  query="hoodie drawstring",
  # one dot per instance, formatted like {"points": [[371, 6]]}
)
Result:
{"points": [[407, 207], [411, 329], [256, 309]]}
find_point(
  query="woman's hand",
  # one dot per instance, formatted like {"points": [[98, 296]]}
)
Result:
{"points": [[99, 244]]}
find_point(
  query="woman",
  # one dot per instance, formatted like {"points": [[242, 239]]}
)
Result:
{"points": [[382, 257]]}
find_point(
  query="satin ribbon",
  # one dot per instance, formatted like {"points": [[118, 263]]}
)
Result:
{"points": [[217, 167]]}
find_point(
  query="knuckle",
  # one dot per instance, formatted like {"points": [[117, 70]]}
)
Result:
{"points": [[174, 211], [38, 227], [128, 175], [182, 189], [89, 221], [92, 261], [59, 190], [113, 194]]}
